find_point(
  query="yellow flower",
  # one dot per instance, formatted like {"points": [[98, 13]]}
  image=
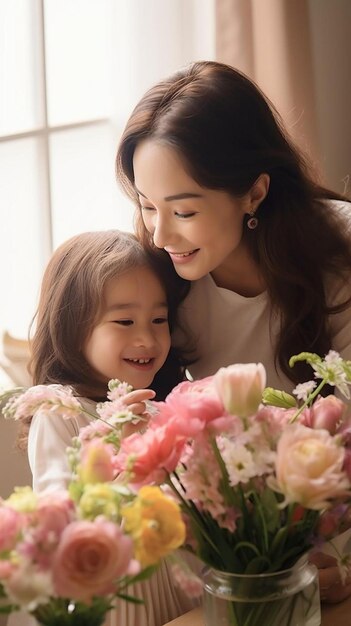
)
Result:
{"points": [[156, 525], [99, 499], [96, 464], [23, 499]]}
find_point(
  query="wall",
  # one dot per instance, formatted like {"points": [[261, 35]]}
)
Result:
{"points": [[330, 22]]}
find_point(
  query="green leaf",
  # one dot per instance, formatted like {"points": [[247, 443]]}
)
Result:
{"points": [[309, 357], [258, 565], [271, 511], [143, 575], [275, 397], [131, 599]]}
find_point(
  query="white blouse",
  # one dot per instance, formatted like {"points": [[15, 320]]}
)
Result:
{"points": [[229, 328]]}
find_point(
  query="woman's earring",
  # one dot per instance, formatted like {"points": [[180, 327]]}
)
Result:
{"points": [[252, 222]]}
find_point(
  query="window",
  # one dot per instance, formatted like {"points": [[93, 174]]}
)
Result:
{"points": [[71, 71]]}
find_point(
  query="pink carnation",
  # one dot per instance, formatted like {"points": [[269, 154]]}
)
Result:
{"points": [[189, 408], [150, 455]]}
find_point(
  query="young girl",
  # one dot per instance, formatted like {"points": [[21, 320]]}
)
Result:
{"points": [[106, 310], [237, 211]]}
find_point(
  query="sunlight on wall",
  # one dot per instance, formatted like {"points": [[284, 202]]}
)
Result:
{"points": [[57, 152]]}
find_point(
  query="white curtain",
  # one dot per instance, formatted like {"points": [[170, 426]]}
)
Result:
{"points": [[299, 53]]}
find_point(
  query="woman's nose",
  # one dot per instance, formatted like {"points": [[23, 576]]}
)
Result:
{"points": [[162, 232]]}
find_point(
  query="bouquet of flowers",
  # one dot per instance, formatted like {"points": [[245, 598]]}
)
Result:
{"points": [[261, 478], [65, 556]]}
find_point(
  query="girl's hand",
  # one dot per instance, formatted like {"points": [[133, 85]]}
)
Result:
{"points": [[330, 586], [135, 400]]}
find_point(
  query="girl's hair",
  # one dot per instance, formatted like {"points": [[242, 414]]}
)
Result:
{"points": [[69, 304], [70, 299], [227, 133]]}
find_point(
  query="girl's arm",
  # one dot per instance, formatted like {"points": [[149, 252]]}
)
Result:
{"points": [[49, 437]]}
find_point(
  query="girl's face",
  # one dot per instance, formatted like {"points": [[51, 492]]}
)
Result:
{"points": [[131, 339], [200, 228]]}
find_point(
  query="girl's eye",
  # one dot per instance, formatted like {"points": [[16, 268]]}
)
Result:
{"points": [[123, 322], [160, 320]]}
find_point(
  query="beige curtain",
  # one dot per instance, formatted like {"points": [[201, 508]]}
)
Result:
{"points": [[299, 53]]}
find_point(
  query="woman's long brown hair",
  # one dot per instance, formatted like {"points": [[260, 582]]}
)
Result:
{"points": [[227, 133]]}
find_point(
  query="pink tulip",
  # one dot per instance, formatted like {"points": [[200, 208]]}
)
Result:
{"points": [[240, 387], [327, 413]]}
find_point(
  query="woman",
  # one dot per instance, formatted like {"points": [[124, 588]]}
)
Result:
{"points": [[219, 186]]}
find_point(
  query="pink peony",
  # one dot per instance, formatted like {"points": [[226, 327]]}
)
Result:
{"points": [[89, 558], [309, 467], [151, 455]]}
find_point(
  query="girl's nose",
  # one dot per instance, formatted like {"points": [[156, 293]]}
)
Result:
{"points": [[144, 337]]}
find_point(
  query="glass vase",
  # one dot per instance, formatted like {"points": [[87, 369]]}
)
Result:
{"points": [[286, 598]]}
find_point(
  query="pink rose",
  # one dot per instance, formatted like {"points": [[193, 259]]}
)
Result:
{"points": [[309, 467], [240, 387], [151, 455], [55, 510], [11, 522], [89, 558]]}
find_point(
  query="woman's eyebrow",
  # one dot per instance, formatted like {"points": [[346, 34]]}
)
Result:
{"points": [[178, 196]]}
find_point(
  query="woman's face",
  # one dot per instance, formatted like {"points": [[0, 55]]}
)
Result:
{"points": [[200, 228]]}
